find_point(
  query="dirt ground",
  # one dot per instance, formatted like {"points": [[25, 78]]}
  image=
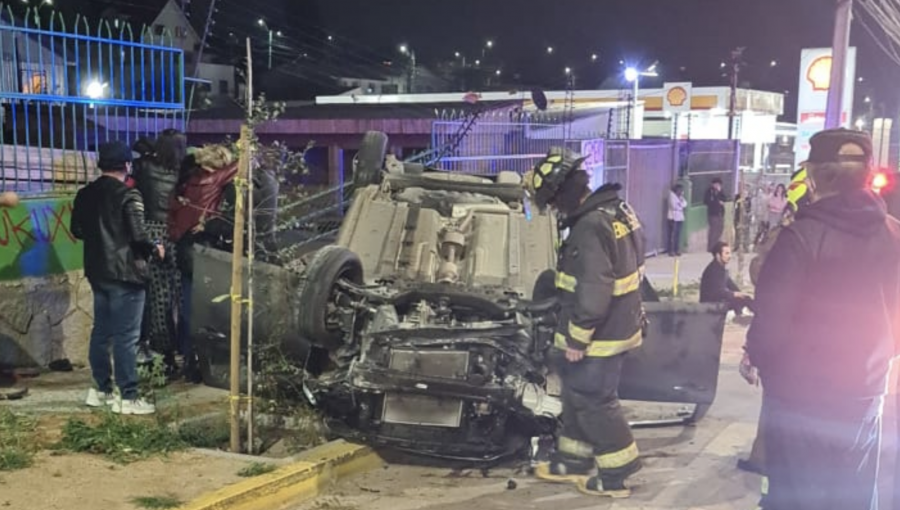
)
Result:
{"points": [[88, 482]]}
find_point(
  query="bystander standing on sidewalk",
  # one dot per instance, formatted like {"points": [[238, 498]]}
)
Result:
{"points": [[677, 205], [715, 213], [109, 217], [156, 177]]}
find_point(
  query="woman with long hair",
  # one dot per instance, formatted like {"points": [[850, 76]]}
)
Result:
{"points": [[777, 204], [155, 176]]}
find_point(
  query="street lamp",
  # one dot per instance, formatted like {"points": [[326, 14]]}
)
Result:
{"points": [[261, 22], [487, 46], [594, 57], [634, 76], [410, 80], [549, 50]]}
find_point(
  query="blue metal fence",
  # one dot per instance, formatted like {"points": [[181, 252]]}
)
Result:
{"points": [[65, 88]]}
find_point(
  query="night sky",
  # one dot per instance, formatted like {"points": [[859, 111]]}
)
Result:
{"points": [[689, 38], [693, 34]]}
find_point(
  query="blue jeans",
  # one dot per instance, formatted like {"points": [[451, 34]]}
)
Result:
{"points": [[118, 311]]}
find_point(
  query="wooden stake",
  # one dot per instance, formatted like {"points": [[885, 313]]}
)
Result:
{"points": [[237, 290], [237, 279]]}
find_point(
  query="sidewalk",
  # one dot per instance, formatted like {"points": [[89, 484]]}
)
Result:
{"points": [[63, 393]]}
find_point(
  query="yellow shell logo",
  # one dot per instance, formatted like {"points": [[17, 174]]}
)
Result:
{"points": [[677, 96], [819, 73]]}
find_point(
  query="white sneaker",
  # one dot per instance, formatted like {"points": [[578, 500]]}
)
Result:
{"points": [[97, 399], [137, 406]]}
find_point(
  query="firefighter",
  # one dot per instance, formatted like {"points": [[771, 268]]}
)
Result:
{"points": [[827, 315], [601, 319]]}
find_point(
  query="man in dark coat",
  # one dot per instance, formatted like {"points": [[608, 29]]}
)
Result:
{"points": [[827, 316]]}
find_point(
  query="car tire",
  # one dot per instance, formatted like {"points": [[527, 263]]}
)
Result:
{"points": [[370, 159], [317, 291]]}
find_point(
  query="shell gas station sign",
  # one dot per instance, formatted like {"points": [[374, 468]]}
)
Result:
{"points": [[812, 97]]}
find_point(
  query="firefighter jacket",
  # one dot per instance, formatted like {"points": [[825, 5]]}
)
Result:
{"points": [[599, 275], [827, 305]]}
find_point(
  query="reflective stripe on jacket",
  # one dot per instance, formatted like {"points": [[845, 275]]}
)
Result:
{"points": [[599, 275]]}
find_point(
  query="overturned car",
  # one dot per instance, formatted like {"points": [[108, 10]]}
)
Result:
{"points": [[436, 309]]}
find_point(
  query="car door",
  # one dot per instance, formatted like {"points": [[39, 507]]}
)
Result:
{"points": [[679, 359]]}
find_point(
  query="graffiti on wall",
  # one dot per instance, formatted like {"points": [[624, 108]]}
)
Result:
{"points": [[35, 239]]}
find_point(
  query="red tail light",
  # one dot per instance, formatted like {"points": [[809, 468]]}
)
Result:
{"points": [[879, 182]]}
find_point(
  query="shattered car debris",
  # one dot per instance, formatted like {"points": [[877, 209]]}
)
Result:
{"points": [[434, 308]]}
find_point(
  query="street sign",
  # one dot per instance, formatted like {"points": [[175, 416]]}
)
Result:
{"points": [[677, 97]]}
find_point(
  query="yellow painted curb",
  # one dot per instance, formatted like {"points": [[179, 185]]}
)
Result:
{"points": [[314, 471]]}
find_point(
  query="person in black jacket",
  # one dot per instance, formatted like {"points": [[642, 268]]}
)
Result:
{"points": [[827, 319], [109, 217], [601, 319], [716, 285], [715, 213], [156, 176]]}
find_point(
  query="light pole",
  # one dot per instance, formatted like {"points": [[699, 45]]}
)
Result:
{"points": [[840, 47], [410, 80], [272, 35], [634, 76], [489, 45]]}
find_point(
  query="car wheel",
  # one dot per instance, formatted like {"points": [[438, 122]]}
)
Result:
{"points": [[370, 159], [319, 296]]}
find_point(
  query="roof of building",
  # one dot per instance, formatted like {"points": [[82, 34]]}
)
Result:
{"points": [[144, 12]]}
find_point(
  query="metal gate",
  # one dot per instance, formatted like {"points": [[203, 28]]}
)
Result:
{"points": [[67, 87], [652, 169]]}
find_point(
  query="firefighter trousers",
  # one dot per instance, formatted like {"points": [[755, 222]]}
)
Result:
{"points": [[593, 422], [822, 456]]}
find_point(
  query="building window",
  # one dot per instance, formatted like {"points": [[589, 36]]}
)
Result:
{"points": [[390, 88], [223, 87], [159, 29], [180, 32], [34, 82]]}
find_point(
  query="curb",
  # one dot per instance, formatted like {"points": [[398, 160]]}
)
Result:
{"points": [[304, 479]]}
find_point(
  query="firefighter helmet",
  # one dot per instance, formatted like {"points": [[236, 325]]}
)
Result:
{"points": [[543, 182]]}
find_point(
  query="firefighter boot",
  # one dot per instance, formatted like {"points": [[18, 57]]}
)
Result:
{"points": [[594, 486], [564, 469]]}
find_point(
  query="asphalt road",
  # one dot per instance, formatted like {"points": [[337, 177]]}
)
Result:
{"points": [[686, 467]]}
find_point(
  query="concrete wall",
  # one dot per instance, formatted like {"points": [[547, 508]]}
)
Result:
{"points": [[45, 302]]}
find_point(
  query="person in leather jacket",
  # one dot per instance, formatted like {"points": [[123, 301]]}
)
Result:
{"points": [[824, 333], [601, 319], [156, 176], [109, 217], [195, 217]]}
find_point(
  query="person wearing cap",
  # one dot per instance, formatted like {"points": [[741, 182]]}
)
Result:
{"points": [[601, 319], [109, 217], [827, 316]]}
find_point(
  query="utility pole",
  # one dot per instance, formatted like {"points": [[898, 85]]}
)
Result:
{"points": [[840, 48], [736, 63]]}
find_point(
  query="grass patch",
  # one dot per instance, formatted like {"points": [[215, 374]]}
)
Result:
{"points": [[212, 433], [257, 469], [119, 439], [156, 502], [18, 441]]}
